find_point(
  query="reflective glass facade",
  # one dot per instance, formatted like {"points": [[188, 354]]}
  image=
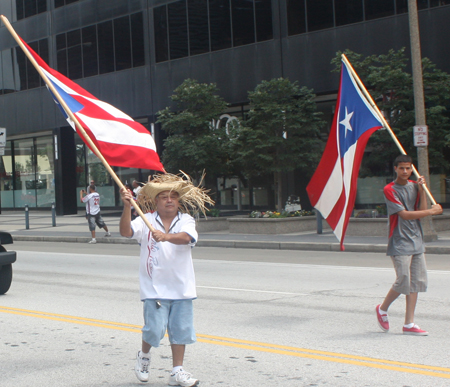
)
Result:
{"points": [[192, 27], [313, 15], [27, 173]]}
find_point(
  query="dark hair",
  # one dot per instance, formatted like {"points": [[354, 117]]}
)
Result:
{"points": [[92, 187], [402, 159]]}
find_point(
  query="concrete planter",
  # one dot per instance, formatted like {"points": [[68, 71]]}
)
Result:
{"points": [[377, 227], [212, 224], [272, 225]]}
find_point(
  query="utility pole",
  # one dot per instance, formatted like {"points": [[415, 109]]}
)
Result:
{"points": [[419, 107]]}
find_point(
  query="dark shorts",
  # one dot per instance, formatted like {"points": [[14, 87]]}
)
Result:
{"points": [[95, 220]]}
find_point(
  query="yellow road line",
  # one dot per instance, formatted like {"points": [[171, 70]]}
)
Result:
{"points": [[419, 369]]}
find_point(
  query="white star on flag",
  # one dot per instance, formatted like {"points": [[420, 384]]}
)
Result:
{"points": [[346, 121]]}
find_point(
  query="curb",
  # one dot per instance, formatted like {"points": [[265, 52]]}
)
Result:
{"points": [[237, 244], [124, 241]]}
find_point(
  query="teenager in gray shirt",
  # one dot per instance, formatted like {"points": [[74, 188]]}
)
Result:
{"points": [[406, 204]]}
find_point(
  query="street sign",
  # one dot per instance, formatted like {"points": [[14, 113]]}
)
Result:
{"points": [[2, 137], [421, 135]]}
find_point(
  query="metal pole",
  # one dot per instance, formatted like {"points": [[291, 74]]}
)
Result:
{"points": [[53, 215], [319, 222], [419, 107], [27, 217]]}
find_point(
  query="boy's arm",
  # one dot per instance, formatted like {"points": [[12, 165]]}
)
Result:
{"points": [[422, 212], [180, 238], [435, 209]]}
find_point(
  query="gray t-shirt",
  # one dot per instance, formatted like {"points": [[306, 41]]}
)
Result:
{"points": [[405, 236]]}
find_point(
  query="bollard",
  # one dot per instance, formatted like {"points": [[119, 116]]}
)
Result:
{"points": [[27, 217], [53, 215], [319, 222]]}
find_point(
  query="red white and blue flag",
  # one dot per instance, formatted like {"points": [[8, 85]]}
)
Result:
{"points": [[332, 189], [122, 141]]}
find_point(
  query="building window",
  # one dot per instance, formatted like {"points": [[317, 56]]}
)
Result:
{"points": [[437, 3], [220, 24], [110, 46], [137, 39], [192, 27], [198, 27], [26, 76], [320, 14], [31, 163], [27, 8], [161, 39], [62, 3], [89, 42], [348, 11], [122, 43], [7, 72], [378, 9], [178, 36], [296, 17], [263, 16], [105, 47], [243, 22]]}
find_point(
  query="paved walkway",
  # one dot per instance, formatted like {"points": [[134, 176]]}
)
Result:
{"points": [[74, 228]]}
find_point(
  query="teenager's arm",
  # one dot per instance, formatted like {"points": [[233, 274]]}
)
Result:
{"points": [[435, 209]]}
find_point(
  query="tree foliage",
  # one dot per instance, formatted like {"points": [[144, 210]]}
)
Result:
{"points": [[193, 143], [282, 132], [390, 84]]}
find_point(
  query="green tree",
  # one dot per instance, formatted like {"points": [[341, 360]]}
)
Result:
{"points": [[281, 134], [194, 144], [391, 86]]}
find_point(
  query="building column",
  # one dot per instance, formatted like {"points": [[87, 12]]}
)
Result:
{"points": [[65, 171]]}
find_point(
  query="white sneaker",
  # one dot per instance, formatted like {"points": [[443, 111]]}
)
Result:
{"points": [[141, 367], [108, 234], [93, 241], [182, 378]]}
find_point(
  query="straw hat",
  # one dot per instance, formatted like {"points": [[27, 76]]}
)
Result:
{"points": [[192, 199]]}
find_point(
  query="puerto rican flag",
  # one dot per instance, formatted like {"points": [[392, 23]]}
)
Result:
{"points": [[122, 141], [332, 189]]}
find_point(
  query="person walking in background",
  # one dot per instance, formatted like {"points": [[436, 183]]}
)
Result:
{"points": [[136, 187], [133, 211], [92, 201], [406, 203]]}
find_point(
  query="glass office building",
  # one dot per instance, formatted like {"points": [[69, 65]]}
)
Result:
{"points": [[134, 53]]}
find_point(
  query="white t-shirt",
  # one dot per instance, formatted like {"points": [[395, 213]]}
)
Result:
{"points": [[166, 271], [137, 190], [92, 201]]}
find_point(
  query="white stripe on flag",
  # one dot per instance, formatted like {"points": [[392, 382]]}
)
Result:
{"points": [[332, 191], [348, 161], [117, 133]]}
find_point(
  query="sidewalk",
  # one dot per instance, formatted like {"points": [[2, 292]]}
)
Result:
{"points": [[74, 228]]}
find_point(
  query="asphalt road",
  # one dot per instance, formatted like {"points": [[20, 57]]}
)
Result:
{"points": [[263, 318]]}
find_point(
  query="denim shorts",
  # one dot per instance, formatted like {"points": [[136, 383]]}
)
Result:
{"points": [[175, 316], [95, 219], [411, 273]]}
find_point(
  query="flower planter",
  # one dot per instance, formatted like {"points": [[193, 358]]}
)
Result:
{"points": [[377, 227], [212, 224], [272, 225]]}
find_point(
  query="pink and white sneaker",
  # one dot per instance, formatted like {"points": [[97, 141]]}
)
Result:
{"points": [[415, 331], [382, 319]]}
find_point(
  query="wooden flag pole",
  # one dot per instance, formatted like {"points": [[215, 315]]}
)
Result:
{"points": [[383, 120], [71, 115]]}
